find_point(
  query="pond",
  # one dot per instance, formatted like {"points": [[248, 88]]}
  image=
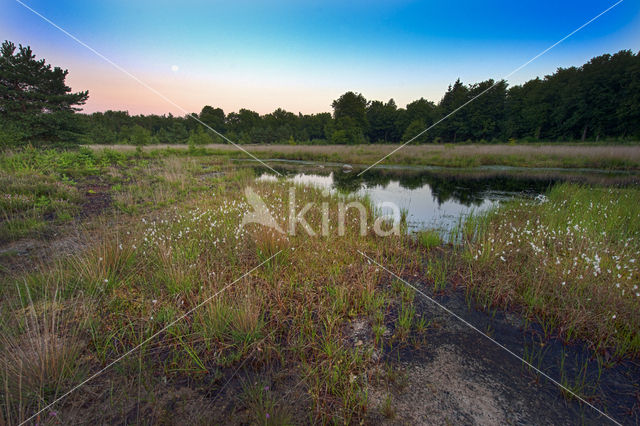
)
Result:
{"points": [[434, 197]]}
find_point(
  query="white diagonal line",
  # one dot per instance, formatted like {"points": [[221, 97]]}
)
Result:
{"points": [[93, 376], [492, 86], [468, 324], [118, 67]]}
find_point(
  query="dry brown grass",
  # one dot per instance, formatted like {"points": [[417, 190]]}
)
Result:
{"points": [[40, 348], [565, 150], [617, 151], [533, 155]]}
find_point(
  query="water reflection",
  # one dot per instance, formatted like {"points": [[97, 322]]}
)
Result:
{"points": [[432, 200], [468, 190]]}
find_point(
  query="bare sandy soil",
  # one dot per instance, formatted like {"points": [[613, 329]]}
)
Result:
{"points": [[462, 377]]}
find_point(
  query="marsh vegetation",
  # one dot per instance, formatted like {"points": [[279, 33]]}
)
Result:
{"points": [[244, 324]]}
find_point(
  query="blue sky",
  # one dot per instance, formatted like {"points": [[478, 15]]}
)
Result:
{"points": [[302, 55]]}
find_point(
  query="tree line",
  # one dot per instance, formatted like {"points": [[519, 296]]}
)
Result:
{"points": [[599, 100]]}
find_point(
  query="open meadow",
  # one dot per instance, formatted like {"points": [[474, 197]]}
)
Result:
{"points": [[133, 272], [563, 155]]}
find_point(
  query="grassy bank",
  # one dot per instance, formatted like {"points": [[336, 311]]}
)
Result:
{"points": [[569, 261], [610, 157]]}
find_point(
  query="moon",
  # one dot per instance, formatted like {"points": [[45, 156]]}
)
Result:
{"points": [[175, 68]]}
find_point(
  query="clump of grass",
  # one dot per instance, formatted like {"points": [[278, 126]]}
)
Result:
{"points": [[387, 408], [40, 347], [215, 319], [110, 261], [580, 384], [247, 322], [429, 239], [231, 324], [571, 260], [405, 320], [404, 214], [263, 405], [270, 243], [437, 272]]}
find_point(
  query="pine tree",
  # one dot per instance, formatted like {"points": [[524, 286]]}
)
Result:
{"points": [[34, 97]]}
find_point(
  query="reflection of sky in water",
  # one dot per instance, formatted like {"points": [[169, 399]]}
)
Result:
{"points": [[423, 209], [313, 180]]}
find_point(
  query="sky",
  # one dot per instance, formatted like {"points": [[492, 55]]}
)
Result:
{"points": [[301, 55]]}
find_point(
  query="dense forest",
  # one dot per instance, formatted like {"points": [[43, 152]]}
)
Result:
{"points": [[597, 101]]}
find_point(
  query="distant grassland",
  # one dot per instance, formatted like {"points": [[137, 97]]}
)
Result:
{"points": [[610, 157]]}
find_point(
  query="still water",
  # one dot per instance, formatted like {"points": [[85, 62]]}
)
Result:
{"points": [[436, 197], [433, 200]]}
